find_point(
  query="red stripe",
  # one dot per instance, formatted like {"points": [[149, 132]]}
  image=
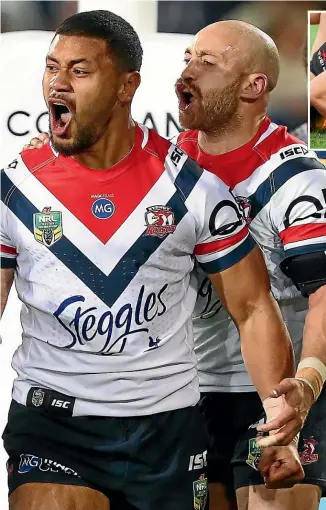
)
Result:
{"points": [[302, 232], [7, 249], [213, 246], [125, 184]]}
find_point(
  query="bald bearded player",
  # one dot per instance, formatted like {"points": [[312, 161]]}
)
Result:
{"points": [[230, 71]]}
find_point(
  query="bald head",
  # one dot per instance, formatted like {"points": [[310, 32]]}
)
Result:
{"points": [[244, 47]]}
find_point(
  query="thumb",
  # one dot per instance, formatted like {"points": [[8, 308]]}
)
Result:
{"points": [[282, 388]]}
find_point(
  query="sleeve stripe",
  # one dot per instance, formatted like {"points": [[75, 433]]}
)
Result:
{"points": [[302, 250], [302, 232], [221, 264], [7, 250], [218, 245]]}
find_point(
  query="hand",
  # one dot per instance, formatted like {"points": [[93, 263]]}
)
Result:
{"points": [[297, 401], [280, 466], [37, 142]]}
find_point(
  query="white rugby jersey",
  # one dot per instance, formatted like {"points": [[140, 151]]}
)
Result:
{"points": [[103, 267], [281, 188]]}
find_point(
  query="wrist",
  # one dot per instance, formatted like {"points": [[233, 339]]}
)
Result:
{"points": [[312, 373]]}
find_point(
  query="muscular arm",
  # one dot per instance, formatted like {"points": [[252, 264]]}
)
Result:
{"points": [[244, 290], [318, 93], [314, 335], [7, 277]]}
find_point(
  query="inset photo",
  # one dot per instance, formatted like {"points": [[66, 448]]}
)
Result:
{"points": [[317, 79]]}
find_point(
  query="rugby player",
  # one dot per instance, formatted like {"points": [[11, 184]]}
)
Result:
{"points": [[230, 70]]}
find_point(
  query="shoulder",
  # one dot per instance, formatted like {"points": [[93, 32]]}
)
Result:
{"points": [[22, 167]]}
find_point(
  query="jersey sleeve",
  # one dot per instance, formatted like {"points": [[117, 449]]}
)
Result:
{"points": [[224, 238], [7, 247], [298, 206]]}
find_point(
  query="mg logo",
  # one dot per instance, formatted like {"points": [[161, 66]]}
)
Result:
{"points": [[103, 208]]}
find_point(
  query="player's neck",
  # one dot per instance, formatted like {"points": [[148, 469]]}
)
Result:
{"points": [[234, 136], [112, 147]]}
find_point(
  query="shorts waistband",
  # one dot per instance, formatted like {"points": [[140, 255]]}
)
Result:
{"points": [[50, 401]]}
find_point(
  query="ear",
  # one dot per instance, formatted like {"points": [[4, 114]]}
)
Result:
{"points": [[129, 84], [254, 86]]}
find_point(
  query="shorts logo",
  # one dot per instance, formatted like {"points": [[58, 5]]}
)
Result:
{"points": [[28, 462], [307, 455], [47, 226], [254, 454], [159, 221], [38, 397], [198, 461], [200, 490], [103, 208]]}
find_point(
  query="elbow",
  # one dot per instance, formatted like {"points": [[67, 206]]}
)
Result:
{"points": [[318, 298]]}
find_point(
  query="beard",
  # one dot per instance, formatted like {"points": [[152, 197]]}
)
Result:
{"points": [[214, 112], [85, 137]]}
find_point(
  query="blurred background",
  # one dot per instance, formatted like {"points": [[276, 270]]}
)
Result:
{"points": [[165, 28]]}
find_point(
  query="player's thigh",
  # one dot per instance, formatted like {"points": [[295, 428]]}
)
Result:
{"points": [[50, 496], [219, 497], [299, 497]]}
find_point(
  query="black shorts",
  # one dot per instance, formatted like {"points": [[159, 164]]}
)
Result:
{"points": [[318, 61], [232, 419], [144, 463]]}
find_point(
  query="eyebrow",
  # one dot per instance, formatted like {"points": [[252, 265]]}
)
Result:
{"points": [[202, 53], [72, 62]]}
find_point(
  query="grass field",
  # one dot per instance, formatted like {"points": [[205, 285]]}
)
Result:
{"points": [[317, 138]]}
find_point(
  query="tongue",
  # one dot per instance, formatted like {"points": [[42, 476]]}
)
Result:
{"points": [[65, 117]]}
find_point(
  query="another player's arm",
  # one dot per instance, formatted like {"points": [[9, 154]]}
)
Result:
{"points": [[237, 270], [7, 278], [8, 251], [318, 93], [267, 351], [302, 231]]}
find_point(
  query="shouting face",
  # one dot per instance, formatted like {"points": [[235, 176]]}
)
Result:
{"points": [[80, 86]]}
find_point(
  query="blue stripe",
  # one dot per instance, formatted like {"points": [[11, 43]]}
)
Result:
{"points": [[107, 288], [188, 177], [215, 266], [277, 179], [302, 250]]}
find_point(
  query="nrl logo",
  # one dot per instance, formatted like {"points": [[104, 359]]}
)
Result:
{"points": [[47, 226], [159, 220], [38, 398]]}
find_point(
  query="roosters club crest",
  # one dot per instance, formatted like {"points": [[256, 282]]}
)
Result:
{"points": [[307, 453], [159, 221], [245, 207]]}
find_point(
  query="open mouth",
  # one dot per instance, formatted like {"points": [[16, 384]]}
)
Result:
{"points": [[186, 98], [60, 118]]}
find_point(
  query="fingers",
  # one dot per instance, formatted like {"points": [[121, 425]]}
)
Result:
{"points": [[44, 137], [286, 415], [283, 437], [283, 476], [37, 142]]}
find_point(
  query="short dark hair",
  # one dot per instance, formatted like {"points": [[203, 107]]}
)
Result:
{"points": [[122, 40]]}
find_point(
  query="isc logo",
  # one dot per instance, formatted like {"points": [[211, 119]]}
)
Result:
{"points": [[60, 403], [103, 208], [198, 461]]}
